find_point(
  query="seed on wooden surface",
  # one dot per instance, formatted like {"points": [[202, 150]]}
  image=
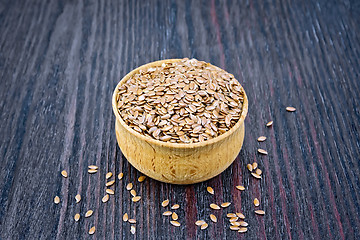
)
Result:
{"points": [[174, 216], [110, 191], [56, 200], [243, 224], [167, 213], [258, 172], [233, 219], [255, 175], [210, 190], [249, 166], [132, 220], [290, 109], [93, 167], [132, 229], [242, 230], [269, 124], [108, 175], [165, 203], [214, 206], [77, 198], [256, 202], [92, 171], [64, 173], [231, 215], [141, 178], [105, 198], [199, 222], [175, 223], [260, 212], [92, 230], [241, 188], [254, 165], [125, 217], [262, 151], [204, 226], [213, 218], [240, 215], [235, 228], [225, 204], [77, 217], [89, 213], [235, 223], [136, 199], [133, 192], [120, 176], [175, 206], [261, 138], [129, 186], [110, 183]]}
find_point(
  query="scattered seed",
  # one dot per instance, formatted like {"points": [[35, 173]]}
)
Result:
{"points": [[262, 151], [165, 203], [89, 213], [132, 220], [110, 191], [174, 216], [241, 188], [254, 165], [125, 217], [108, 175], [77, 217], [258, 172], [214, 206], [110, 183], [260, 212], [255, 175], [225, 204], [167, 213], [129, 186], [204, 226], [235, 228], [261, 138], [92, 230], [141, 178], [243, 224], [249, 166], [64, 173], [256, 202], [199, 222], [120, 176], [240, 215], [213, 218], [136, 198], [92, 170], [133, 193], [56, 200], [105, 198], [94, 167], [235, 223], [78, 198], [231, 215], [242, 230], [269, 124], [290, 109], [210, 190], [132, 229], [175, 223], [175, 206], [233, 219]]}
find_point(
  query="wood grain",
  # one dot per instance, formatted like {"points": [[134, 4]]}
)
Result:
{"points": [[59, 64]]}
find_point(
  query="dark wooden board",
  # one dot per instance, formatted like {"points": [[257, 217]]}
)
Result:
{"points": [[60, 62]]}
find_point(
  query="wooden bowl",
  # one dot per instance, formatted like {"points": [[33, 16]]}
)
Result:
{"points": [[178, 163]]}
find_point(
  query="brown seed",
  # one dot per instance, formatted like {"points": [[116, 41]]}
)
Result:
{"points": [[225, 204], [262, 151], [110, 191], [240, 215], [136, 199], [77, 198], [89, 213], [167, 213], [258, 172], [204, 226], [213, 218], [235, 228], [133, 192], [231, 215], [92, 230], [110, 183], [261, 139], [64, 173], [120, 176], [105, 198], [249, 166], [94, 167], [290, 109], [243, 224], [92, 171], [210, 190], [214, 206], [56, 200], [256, 202], [132, 229], [175, 223], [260, 212], [174, 216], [141, 178], [129, 186], [108, 175], [254, 165], [242, 230], [199, 222], [125, 217], [175, 206], [132, 220], [77, 217], [165, 203], [235, 223], [269, 124], [241, 188], [255, 175], [233, 219]]}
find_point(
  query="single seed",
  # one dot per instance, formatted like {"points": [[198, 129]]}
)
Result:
{"points": [[214, 206], [260, 212], [256, 202], [108, 175], [93, 167], [92, 230], [210, 190], [133, 193], [249, 166], [213, 218], [243, 224], [167, 213], [105, 198], [125, 217], [92, 170], [175, 206], [110, 183], [64, 173], [225, 204], [141, 178], [120, 176], [235, 223], [261, 138], [290, 109], [233, 219], [240, 215], [77, 217], [89, 213], [254, 165], [129, 186], [262, 151], [241, 188], [231, 215], [136, 199], [242, 230], [165, 203], [110, 191], [56, 200], [132, 229], [204, 226], [132, 220], [175, 223], [78, 198], [199, 222], [235, 228], [255, 175], [258, 172], [269, 124], [174, 216]]}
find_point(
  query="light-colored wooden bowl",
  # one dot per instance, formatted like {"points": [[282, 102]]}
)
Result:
{"points": [[177, 163]]}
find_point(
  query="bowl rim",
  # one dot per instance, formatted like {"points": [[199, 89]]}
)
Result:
{"points": [[169, 144]]}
